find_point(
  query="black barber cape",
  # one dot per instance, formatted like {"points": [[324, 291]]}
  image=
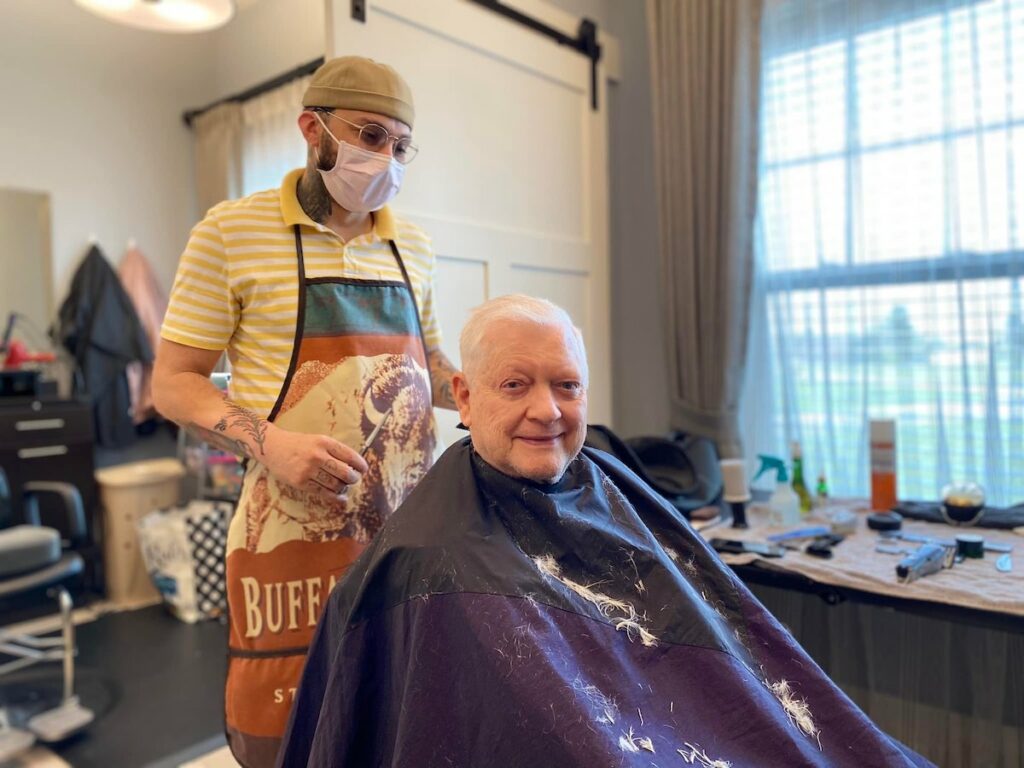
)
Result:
{"points": [[98, 325], [495, 623]]}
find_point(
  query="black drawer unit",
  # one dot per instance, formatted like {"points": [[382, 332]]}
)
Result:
{"points": [[39, 423], [52, 440]]}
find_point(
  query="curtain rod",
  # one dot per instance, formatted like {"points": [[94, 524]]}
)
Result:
{"points": [[257, 90]]}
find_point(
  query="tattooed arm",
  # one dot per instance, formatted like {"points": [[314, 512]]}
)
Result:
{"points": [[441, 372], [246, 424], [183, 393]]}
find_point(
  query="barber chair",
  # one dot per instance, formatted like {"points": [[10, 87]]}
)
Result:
{"points": [[33, 559], [682, 468]]}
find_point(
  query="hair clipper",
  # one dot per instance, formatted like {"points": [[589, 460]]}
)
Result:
{"points": [[928, 558]]}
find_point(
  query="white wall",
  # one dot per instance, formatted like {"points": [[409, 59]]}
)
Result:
{"points": [[639, 371], [598, 11], [639, 335], [265, 39], [92, 116]]}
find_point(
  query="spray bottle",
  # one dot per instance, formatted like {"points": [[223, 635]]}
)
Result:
{"points": [[784, 504]]}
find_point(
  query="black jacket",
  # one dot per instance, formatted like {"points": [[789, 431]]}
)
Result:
{"points": [[98, 325]]}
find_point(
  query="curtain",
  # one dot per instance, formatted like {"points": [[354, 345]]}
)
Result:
{"points": [[271, 142], [246, 147], [889, 238], [704, 67], [218, 155]]}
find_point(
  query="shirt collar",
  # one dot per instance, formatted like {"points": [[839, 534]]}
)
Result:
{"points": [[384, 227]]}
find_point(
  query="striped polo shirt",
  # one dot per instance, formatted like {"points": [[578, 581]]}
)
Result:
{"points": [[237, 286]]}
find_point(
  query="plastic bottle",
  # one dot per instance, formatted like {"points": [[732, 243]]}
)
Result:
{"points": [[784, 504], [822, 490], [799, 486], [883, 464]]}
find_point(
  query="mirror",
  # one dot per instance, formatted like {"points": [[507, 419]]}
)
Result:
{"points": [[27, 283]]}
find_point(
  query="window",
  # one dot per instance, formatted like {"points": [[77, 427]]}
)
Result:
{"points": [[891, 239]]}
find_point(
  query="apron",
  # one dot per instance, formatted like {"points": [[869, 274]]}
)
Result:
{"points": [[359, 359]]}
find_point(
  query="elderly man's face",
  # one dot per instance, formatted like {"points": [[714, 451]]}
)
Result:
{"points": [[527, 404]]}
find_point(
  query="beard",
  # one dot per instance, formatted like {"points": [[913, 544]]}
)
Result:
{"points": [[326, 153], [312, 192]]}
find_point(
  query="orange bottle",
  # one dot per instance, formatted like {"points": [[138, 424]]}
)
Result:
{"points": [[883, 463]]}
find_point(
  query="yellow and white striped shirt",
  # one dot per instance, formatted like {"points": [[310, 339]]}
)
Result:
{"points": [[237, 285]]}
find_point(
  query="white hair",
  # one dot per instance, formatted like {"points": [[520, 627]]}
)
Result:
{"points": [[515, 307]]}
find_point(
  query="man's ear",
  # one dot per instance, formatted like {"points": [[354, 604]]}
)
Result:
{"points": [[310, 128], [460, 390]]}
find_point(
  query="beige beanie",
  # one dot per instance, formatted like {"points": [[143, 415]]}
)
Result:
{"points": [[353, 82]]}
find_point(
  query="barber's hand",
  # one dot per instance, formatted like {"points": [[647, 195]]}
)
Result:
{"points": [[312, 463]]}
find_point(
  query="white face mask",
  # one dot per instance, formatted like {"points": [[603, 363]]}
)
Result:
{"points": [[361, 181]]}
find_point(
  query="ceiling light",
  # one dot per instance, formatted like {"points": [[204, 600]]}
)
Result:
{"points": [[164, 15]]}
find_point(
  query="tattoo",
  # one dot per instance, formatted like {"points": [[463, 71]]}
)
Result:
{"points": [[441, 371], [217, 440], [313, 195], [250, 423]]}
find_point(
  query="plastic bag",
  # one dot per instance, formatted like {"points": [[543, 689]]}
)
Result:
{"points": [[183, 549]]}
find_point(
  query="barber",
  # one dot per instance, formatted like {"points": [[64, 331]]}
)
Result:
{"points": [[322, 299]]}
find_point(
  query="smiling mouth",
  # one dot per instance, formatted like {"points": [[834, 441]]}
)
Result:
{"points": [[542, 440]]}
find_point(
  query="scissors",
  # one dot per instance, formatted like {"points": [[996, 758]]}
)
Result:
{"points": [[376, 431]]}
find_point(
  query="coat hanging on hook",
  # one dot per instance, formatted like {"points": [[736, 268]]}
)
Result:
{"points": [[98, 325], [150, 302]]}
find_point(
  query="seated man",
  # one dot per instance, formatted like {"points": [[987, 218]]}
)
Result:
{"points": [[532, 603]]}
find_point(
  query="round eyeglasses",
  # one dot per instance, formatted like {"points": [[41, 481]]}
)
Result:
{"points": [[375, 138]]}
